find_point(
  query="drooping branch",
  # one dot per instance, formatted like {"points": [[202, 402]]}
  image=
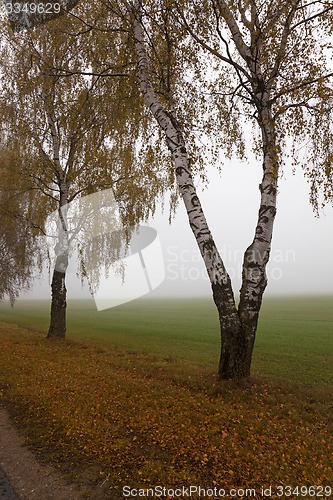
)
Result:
{"points": [[311, 18], [69, 73], [301, 85], [208, 47]]}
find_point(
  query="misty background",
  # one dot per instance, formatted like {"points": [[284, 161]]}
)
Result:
{"points": [[302, 249]]}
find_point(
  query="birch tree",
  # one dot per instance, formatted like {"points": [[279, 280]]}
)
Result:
{"points": [[273, 71], [77, 132]]}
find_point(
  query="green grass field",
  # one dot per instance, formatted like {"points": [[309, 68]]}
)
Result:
{"points": [[294, 341]]}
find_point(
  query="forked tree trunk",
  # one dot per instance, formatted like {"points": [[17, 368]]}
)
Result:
{"points": [[238, 326], [233, 355], [238, 334]]}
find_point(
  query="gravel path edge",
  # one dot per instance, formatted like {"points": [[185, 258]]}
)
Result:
{"points": [[29, 479]]}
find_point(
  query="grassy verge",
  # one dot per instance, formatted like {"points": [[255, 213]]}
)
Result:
{"points": [[142, 410]]}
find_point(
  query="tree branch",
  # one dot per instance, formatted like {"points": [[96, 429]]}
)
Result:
{"points": [[243, 49], [306, 20], [210, 49], [283, 43], [299, 86]]}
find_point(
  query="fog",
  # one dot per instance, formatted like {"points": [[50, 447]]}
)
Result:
{"points": [[302, 249]]}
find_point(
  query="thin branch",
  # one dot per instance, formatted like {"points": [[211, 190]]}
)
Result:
{"points": [[83, 73], [242, 47], [234, 64], [41, 183], [299, 86], [244, 19], [288, 106], [306, 20], [283, 43], [210, 49]]}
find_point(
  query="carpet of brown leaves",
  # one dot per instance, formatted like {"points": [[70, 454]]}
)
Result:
{"points": [[136, 420]]}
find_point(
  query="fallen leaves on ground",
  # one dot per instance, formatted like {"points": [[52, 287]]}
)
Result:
{"points": [[144, 421]]}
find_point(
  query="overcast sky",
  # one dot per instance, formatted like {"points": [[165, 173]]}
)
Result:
{"points": [[302, 250]]}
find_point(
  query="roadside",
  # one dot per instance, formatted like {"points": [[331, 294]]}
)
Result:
{"points": [[29, 479], [6, 490]]}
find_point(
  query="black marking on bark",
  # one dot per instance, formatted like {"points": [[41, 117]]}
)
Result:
{"points": [[209, 245], [180, 171], [195, 201], [264, 208], [203, 233], [193, 226], [250, 264], [270, 189]]}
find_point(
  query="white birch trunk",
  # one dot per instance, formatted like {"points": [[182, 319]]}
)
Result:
{"points": [[256, 257], [176, 144]]}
